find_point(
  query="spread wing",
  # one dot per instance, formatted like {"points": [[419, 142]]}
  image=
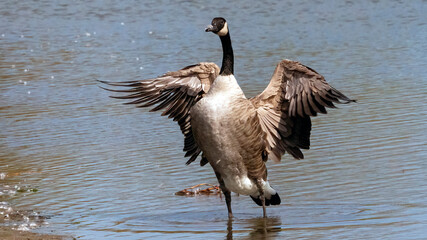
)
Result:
{"points": [[294, 94], [174, 93]]}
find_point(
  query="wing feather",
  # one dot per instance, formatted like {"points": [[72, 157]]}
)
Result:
{"points": [[294, 94], [174, 93]]}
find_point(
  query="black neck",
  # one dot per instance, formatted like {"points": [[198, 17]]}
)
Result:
{"points": [[228, 57]]}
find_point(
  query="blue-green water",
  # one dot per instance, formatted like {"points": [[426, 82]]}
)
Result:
{"points": [[96, 169]]}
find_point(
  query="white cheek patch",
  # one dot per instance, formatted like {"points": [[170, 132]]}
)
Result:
{"points": [[223, 31]]}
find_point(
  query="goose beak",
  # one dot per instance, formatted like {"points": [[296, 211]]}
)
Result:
{"points": [[209, 28]]}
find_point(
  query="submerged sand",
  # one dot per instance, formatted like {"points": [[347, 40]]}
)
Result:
{"points": [[7, 233]]}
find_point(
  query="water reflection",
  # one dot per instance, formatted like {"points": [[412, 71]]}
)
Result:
{"points": [[261, 228]]}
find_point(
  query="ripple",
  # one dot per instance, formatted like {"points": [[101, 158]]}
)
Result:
{"points": [[104, 170]]}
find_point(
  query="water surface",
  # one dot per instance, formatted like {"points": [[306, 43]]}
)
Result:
{"points": [[76, 162]]}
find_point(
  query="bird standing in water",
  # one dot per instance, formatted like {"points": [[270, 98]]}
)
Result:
{"points": [[237, 135]]}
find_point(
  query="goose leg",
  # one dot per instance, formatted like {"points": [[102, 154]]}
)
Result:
{"points": [[264, 211], [228, 202], [262, 198], [227, 194]]}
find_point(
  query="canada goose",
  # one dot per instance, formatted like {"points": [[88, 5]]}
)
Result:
{"points": [[237, 135]]}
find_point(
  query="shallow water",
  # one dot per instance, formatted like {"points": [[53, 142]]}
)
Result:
{"points": [[76, 162]]}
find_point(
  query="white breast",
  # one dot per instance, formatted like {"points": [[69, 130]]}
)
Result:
{"points": [[226, 86], [215, 106]]}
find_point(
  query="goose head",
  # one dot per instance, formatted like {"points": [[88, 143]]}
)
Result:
{"points": [[218, 26]]}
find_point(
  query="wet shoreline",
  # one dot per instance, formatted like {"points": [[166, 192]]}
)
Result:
{"points": [[8, 233]]}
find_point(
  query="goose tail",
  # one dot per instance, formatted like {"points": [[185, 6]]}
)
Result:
{"points": [[273, 200], [271, 196]]}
